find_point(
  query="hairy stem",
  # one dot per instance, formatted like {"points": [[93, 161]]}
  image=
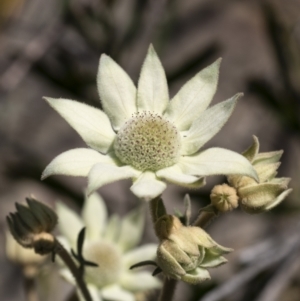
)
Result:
{"points": [[168, 289], [67, 259], [205, 218], [157, 209]]}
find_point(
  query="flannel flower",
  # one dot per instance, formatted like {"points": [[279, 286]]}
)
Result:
{"points": [[111, 244], [142, 135]]}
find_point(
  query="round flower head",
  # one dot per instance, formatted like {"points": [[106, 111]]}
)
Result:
{"points": [[111, 244], [142, 135]]}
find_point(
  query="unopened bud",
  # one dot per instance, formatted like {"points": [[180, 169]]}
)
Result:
{"points": [[185, 253], [270, 191], [30, 226], [224, 198]]}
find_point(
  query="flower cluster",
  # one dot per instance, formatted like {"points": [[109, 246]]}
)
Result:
{"points": [[144, 136]]}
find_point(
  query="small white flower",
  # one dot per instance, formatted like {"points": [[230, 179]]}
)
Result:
{"points": [[110, 243], [144, 136]]}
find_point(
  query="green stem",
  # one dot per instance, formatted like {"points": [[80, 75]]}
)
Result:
{"points": [[157, 209], [67, 259]]}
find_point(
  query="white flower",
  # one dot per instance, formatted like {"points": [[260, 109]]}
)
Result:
{"points": [[144, 136], [110, 243]]}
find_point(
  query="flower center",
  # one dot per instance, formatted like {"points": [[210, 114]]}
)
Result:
{"points": [[148, 142], [108, 258]]}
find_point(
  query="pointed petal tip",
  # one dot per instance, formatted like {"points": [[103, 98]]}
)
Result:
{"points": [[151, 49], [48, 99], [238, 95], [103, 57], [219, 61]]}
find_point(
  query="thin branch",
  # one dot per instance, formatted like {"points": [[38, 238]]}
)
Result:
{"points": [[67, 259], [168, 289]]}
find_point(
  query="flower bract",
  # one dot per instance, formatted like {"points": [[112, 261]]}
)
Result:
{"points": [[31, 226], [269, 191], [185, 252], [141, 134], [111, 243]]}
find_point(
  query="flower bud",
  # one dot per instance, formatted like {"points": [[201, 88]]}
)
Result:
{"points": [[30, 226], [224, 198], [270, 191], [185, 253]]}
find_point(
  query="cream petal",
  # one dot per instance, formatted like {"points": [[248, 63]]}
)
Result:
{"points": [[194, 97], [217, 161], [279, 199], [152, 94], [213, 262], [281, 181], [94, 216], [90, 123], [103, 173], [174, 174], [69, 223], [139, 281], [132, 228], [147, 187], [208, 124], [142, 253], [116, 293], [197, 276], [75, 162], [117, 91], [267, 171], [251, 152], [112, 231], [262, 197], [265, 158]]}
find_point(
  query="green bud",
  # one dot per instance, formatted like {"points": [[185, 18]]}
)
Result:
{"points": [[186, 252], [30, 226], [270, 191]]}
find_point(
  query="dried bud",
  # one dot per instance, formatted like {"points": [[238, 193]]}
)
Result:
{"points": [[224, 198], [270, 191], [186, 252], [30, 226]]}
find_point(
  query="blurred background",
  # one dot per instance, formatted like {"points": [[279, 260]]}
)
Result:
{"points": [[52, 48]]}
